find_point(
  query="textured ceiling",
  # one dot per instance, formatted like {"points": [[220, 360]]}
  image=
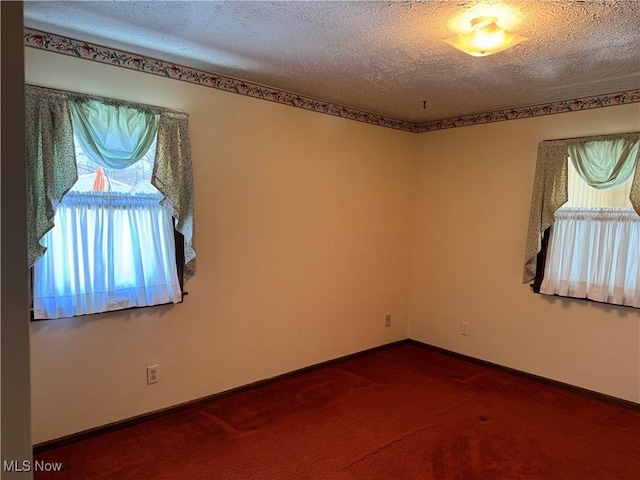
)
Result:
{"points": [[382, 57]]}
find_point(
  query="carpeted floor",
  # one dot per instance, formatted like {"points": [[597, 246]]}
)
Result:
{"points": [[401, 413]]}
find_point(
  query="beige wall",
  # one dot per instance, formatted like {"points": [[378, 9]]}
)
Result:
{"points": [[310, 229], [472, 195], [302, 236]]}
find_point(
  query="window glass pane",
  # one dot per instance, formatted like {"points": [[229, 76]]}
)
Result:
{"points": [[133, 179]]}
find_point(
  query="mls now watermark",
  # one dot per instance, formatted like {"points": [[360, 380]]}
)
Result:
{"points": [[29, 466]]}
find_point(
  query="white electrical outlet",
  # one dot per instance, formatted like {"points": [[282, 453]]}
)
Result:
{"points": [[387, 320], [153, 375], [464, 328]]}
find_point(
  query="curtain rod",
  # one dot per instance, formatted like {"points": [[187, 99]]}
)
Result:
{"points": [[591, 136], [102, 97]]}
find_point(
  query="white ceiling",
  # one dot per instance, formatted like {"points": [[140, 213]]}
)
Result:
{"points": [[381, 57]]}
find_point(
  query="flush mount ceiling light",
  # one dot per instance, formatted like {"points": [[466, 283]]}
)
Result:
{"points": [[485, 38]]}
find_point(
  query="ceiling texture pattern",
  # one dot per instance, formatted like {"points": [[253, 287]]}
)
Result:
{"points": [[381, 57]]}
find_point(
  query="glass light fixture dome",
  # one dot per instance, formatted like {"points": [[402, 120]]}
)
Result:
{"points": [[485, 38]]}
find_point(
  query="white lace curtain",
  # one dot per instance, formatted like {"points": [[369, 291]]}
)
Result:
{"points": [[51, 163], [112, 251], [550, 182], [593, 253]]}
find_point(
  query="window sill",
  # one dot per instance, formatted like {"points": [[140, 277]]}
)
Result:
{"points": [[33, 319], [537, 291]]}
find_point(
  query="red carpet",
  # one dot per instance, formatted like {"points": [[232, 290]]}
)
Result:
{"points": [[401, 413]]}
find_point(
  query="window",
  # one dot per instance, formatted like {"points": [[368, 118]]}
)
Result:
{"points": [[112, 180], [112, 246], [586, 190]]}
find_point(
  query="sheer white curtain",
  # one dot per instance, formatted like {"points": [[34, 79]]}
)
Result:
{"points": [[107, 251], [594, 253]]}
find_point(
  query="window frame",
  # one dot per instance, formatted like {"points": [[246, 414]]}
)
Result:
{"points": [[541, 256], [541, 263], [51, 169], [178, 250]]}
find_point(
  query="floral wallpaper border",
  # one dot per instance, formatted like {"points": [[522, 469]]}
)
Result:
{"points": [[89, 51], [585, 103]]}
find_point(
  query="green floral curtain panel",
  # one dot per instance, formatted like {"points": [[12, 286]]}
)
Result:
{"points": [[51, 159], [173, 176], [550, 182], [549, 194]]}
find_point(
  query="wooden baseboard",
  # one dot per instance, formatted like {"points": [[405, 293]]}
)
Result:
{"points": [[111, 427], [530, 376], [145, 417]]}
